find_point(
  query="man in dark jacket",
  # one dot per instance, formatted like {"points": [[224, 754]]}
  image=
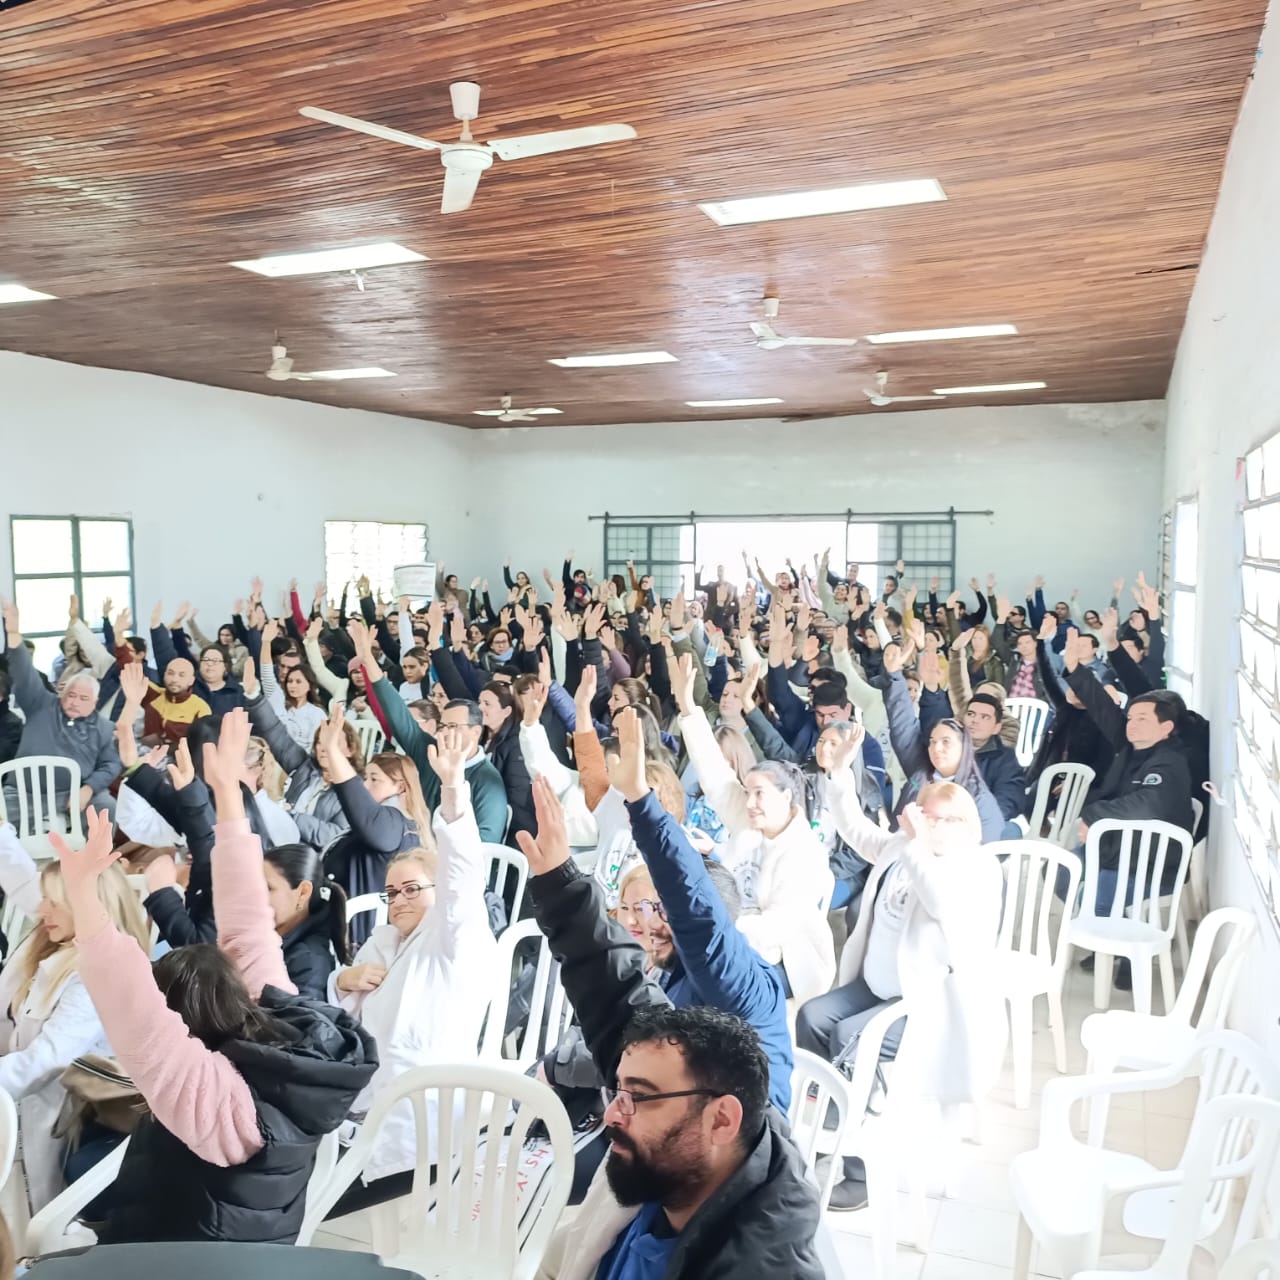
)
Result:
{"points": [[10, 723], [700, 1174]]}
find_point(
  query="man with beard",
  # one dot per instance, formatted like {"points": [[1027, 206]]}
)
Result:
{"points": [[701, 1182]]}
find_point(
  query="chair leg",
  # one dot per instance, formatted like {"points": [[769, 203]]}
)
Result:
{"points": [[1102, 975], [384, 1229], [1180, 933], [1022, 1251], [882, 1204], [1140, 968], [1100, 1104], [1166, 979], [1058, 1026], [1020, 1034]]}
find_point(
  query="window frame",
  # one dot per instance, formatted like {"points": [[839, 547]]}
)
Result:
{"points": [[77, 574], [379, 582], [1179, 665]]}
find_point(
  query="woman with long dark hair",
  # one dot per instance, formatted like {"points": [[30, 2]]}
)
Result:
{"points": [[310, 914], [502, 742], [241, 1077]]}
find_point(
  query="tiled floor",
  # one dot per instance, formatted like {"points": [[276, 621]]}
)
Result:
{"points": [[971, 1233]]}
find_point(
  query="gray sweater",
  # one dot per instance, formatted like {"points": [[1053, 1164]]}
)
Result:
{"points": [[89, 741]]}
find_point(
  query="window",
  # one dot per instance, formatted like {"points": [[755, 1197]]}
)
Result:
{"points": [[664, 549], [1180, 596], [55, 557], [1257, 728], [365, 548]]}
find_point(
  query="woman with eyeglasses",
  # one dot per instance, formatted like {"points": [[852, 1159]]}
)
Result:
{"points": [[421, 983], [926, 932]]}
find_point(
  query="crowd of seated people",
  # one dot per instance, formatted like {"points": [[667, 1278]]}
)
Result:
{"points": [[695, 783]]}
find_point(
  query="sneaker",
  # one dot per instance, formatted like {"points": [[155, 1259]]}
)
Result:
{"points": [[1124, 975], [1087, 963], [848, 1196]]}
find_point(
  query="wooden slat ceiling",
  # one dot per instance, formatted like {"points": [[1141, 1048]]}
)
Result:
{"points": [[145, 144]]}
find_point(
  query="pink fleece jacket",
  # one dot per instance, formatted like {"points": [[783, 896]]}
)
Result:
{"points": [[198, 1095]]}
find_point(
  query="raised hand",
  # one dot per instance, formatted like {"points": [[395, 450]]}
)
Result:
{"points": [[991, 583], [534, 699], [182, 772], [893, 658], [448, 757], [224, 764], [134, 682], [534, 634], [846, 749], [156, 757], [551, 848], [457, 632], [157, 614], [321, 592], [628, 775], [962, 640], [123, 623], [180, 617], [915, 631], [750, 678], [583, 696], [1002, 609], [677, 612], [249, 678], [1048, 627], [591, 621], [1107, 631], [106, 607], [255, 589], [314, 627], [81, 868], [270, 629], [683, 678], [161, 873], [73, 609], [12, 627], [928, 668], [1039, 581], [840, 639]]}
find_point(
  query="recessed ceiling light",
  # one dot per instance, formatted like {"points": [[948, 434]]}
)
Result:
{"points": [[995, 386], [939, 335], [809, 204], [356, 258], [341, 375], [608, 362], [499, 413], [731, 404], [20, 293]]}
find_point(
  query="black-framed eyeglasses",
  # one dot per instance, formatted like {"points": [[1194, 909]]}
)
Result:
{"points": [[410, 892], [646, 907], [628, 1099]]}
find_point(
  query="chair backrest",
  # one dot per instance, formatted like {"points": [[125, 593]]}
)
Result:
{"points": [[1146, 850], [1032, 715], [369, 731], [367, 902], [508, 875], [1031, 869], [1231, 1154], [550, 1012], [1239, 926], [33, 784], [47, 1230], [808, 1115], [1257, 1261], [8, 1135], [471, 1221], [1075, 779]]}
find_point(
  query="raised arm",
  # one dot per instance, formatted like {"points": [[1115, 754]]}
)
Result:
{"points": [[1097, 702], [289, 755], [904, 727], [462, 865], [28, 689], [719, 782]]}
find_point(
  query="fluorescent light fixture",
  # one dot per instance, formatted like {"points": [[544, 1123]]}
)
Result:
{"points": [[941, 335], [342, 375], [809, 204], [609, 362], [731, 404], [995, 386], [20, 293], [357, 258]]}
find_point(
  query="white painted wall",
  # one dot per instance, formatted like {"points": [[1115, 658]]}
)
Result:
{"points": [[1075, 488], [1224, 398], [220, 484]]}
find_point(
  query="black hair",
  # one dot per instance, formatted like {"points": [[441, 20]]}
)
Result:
{"points": [[313, 685], [725, 885], [1093, 640], [203, 986], [474, 715], [722, 1053], [827, 675], [786, 777], [282, 645], [891, 577], [5, 685], [829, 693], [989, 700], [1168, 706], [894, 616], [137, 644], [299, 862], [219, 650]]}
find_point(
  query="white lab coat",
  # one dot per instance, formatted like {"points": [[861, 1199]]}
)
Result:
{"points": [[431, 1005], [55, 1024]]}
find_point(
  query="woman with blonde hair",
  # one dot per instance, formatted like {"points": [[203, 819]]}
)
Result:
{"points": [[421, 983], [46, 1016], [386, 814]]}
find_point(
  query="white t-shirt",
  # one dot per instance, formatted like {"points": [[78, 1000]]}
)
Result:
{"points": [[893, 902]]}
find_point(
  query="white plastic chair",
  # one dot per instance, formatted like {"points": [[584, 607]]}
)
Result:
{"points": [[1257, 1261], [808, 1115], [8, 1135], [1235, 1142], [550, 1012], [1121, 1038], [1076, 780], [48, 1231], [1195, 894], [505, 862], [1033, 949], [1143, 932], [363, 902], [1068, 1192], [1032, 715], [369, 731], [34, 788], [468, 1224]]}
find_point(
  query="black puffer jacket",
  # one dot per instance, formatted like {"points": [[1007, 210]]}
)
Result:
{"points": [[308, 950], [303, 1086]]}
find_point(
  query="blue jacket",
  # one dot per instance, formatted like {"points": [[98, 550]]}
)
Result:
{"points": [[715, 964]]}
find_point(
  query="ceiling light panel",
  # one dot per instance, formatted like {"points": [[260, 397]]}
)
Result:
{"points": [[20, 293], [614, 361], [345, 375], [732, 404], [355, 258], [943, 335], [812, 204], [991, 389]]}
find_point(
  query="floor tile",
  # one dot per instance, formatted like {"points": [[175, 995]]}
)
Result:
{"points": [[855, 1256], [977, 1234]]}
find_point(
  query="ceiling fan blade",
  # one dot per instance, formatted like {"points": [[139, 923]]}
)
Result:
{"points": [[820, 342], [301, 377], [543, 144], [366, 126], [459, 190], [911, 399], [488, 413], [543, 412]]}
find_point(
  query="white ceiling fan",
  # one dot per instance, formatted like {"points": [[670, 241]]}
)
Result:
{"points": [[281, 367], [880, 399], [465, 160], [508, 414], [768, 339]]}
